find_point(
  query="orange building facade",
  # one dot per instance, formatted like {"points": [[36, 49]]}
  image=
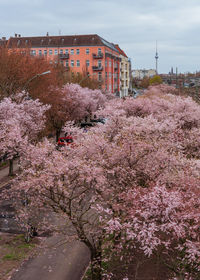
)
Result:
{"points": [[78, 53]]}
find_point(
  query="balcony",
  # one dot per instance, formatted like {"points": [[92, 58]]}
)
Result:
{"points": [[97, 56], [63, 55], [97, 68], [116, 68]]}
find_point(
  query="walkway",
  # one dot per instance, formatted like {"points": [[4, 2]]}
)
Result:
{"points": [[55, 260]]}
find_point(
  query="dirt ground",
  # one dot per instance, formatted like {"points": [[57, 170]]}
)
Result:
{"points": [[13, 251]]}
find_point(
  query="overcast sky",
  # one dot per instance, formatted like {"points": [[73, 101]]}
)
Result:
{"points": [[133, 24]]}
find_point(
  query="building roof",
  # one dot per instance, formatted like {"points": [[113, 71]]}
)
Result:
{"points": [[58, 41], [3, 42], [120, 50]]}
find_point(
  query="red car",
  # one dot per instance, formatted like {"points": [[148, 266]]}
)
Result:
{"points": [[62, 141]]}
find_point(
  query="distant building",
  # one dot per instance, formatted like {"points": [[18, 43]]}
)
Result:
{"points": [[124, 73], [78, 53], [142, 73]]}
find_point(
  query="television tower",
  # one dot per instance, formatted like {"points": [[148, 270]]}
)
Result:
{"points": [[156, 57]]}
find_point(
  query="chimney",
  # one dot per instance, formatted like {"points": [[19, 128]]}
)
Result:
{"points": [[15, 35], [4, 38], [19, 35], [47, 34]]}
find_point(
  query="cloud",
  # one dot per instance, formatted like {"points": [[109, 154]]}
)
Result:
{"points": [[134, 25]]}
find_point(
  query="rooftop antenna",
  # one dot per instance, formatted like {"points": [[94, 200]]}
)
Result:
{"points": [[156, 57]]}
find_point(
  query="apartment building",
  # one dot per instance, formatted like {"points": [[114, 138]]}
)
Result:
{"points": [[142, 73], [78, 53], [124, 72]]}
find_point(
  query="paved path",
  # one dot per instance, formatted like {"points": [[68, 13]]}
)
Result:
{"points": [[65, 262], [4, 173], [53, 262]]}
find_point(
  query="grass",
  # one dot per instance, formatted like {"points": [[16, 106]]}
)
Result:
{"points": [[26, 245], [3, 164], [13, 250], [12, 256]]}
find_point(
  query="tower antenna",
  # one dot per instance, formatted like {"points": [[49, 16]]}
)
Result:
{"points": [[156, 57]]}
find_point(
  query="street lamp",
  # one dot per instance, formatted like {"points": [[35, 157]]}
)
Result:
{"points": [[37, 75]]}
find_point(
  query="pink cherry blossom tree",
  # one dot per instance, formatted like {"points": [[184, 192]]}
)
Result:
{"points": [[72, 103], [20, 123], [127, 184], [83, 101]]}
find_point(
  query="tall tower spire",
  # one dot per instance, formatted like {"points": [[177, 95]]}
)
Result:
{"points": [[156, 57]]}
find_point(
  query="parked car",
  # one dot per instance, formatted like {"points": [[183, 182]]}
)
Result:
{"points": [[86, 124], [100, 120], [63, 141]]}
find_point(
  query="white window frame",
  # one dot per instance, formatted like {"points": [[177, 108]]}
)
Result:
{"points": [[87, 62], [78, 63]]}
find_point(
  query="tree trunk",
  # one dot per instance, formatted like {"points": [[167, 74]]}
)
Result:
{"points": [[10, 167], [96, 263], [57, 134]]}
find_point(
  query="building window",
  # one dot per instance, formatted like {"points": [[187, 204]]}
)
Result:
{"points": [[55, 51], [99, 50], [45, 52], [106, 63], [78, 63], [87, 63], [61, 51], [99, 76], [99, 63], [106, 75], [50, 52], [77, 51], [33, 52], [110, 63], [72, 63], [87, 51], [72, 51], [110, 75], [66, 51], [67, 63], [40, 52]]}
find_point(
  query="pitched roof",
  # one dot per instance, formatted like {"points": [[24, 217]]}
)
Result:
{"points": [[59, 41], [120, 50]]}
